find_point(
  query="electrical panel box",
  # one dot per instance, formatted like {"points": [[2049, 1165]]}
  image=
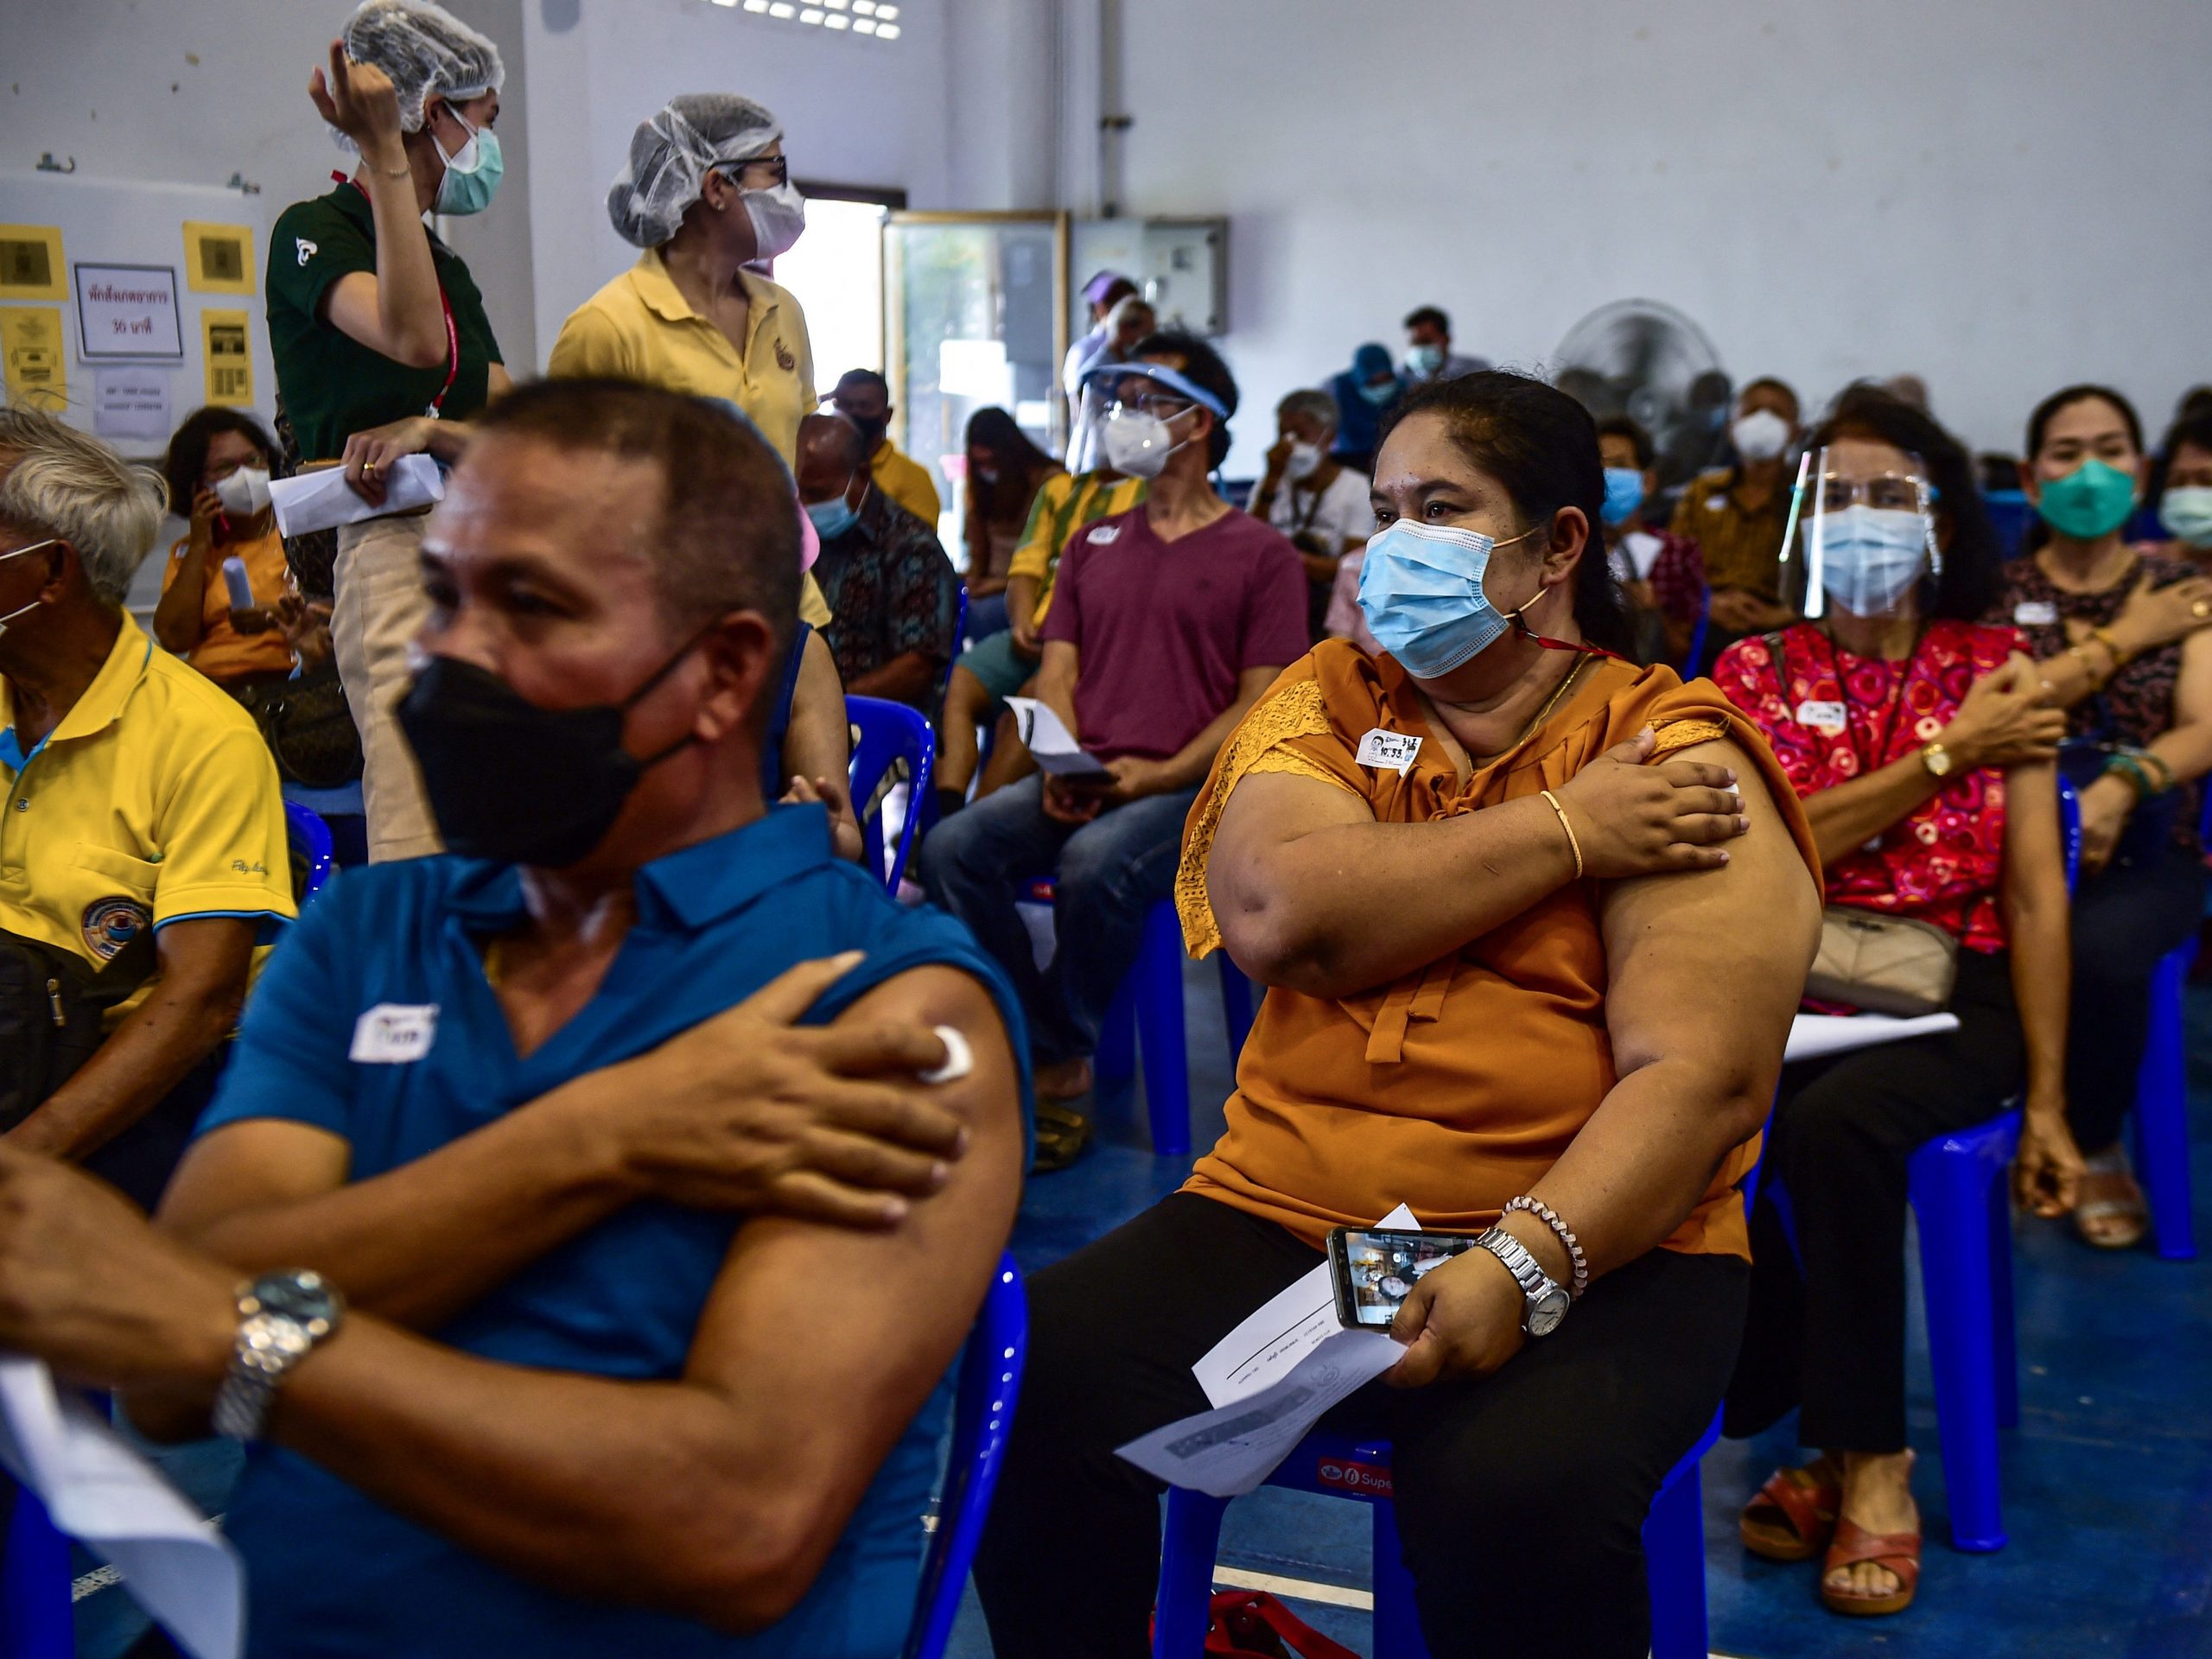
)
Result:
{"points": [[1182, 264]]}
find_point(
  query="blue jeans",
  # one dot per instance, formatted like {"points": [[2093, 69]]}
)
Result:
{"points": [[1107, 874]]}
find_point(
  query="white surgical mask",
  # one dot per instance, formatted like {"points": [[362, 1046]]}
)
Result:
{"points": [[1760, 435], [778, 216], [1305, 461], [245, 492], [1137, 443]]}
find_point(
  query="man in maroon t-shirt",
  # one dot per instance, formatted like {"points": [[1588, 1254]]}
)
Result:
{"points": [[1167, 623]]}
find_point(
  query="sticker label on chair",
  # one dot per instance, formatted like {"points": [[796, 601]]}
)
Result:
{"points": [[1367, 1479]]}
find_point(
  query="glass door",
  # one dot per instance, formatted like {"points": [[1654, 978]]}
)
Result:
{"points": [[973, 308]]}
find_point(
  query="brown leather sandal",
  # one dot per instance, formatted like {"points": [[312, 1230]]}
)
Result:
{"points": [[1807, 1503], [1897, 1551]]}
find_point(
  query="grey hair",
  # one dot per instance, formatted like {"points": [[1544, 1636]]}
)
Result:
{"points": [[1317, 404], [59, 483]]}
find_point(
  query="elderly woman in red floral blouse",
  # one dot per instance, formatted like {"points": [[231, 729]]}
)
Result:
{"points": [[1920, 742]]}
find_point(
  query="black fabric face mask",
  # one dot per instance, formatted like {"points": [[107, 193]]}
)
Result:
{"points": [[510, 781]]}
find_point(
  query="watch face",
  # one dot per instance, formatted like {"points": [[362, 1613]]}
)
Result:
{"points": [[1550, 1309], [304, 1297]]}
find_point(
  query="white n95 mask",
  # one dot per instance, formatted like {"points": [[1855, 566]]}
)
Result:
{"points": [[245, 492]]}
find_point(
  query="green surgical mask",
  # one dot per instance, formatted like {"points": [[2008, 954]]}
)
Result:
{"points": [[2092, 500]]}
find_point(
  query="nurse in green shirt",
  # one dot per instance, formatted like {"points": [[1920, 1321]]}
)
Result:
{"points": [[380, 342]]}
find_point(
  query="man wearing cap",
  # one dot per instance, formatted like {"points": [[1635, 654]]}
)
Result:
{"points": [[1167, 623], [1101, 293]]}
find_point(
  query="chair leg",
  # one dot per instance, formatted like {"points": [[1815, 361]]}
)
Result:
{"points": [[1674, 1555], [1951, 1195], [1115, 1062], [1189, 1541], [1236, 1005], [1161, 1035], [2004, 1332], [2161, 1112], [1398, 1620], [35, 1617]]}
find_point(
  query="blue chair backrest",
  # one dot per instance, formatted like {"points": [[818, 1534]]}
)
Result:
{"points": [[889, 731], [311, 841], [990, 1380], [1697, 634], [959, 643]]}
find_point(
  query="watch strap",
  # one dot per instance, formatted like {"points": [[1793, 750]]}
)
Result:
{"points": [[1528, 1273]]}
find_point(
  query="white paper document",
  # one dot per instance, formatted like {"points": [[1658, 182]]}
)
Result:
{"points": [[174, 1562], [1815, 1036], [322, 500], [1048, 739], [1269, 1380]]}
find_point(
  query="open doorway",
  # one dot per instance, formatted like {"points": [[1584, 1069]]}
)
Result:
{"points": [[836, 271]]}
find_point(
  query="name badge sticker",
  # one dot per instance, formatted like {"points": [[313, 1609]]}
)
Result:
{"points": [[393, 1034], [1395, 750], [2035, 613], [1822, 716], [1105, 535]]}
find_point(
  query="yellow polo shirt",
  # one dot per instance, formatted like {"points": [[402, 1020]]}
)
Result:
{"points": [[639, 327], [1064, 503], [153, 801], [906, 480]]}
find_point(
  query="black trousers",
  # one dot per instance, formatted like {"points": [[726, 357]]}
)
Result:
{"points": [[1521, 1497], [2125, 917], [1826, 1326]]}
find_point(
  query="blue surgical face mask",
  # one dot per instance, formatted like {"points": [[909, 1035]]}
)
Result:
{"points": [[1421, 592], [1424, 360], [1624, 494], [472, 173], [1871, 556], [833, 517]]}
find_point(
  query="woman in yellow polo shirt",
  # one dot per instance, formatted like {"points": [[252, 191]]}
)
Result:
{"points": [[708, 191]]}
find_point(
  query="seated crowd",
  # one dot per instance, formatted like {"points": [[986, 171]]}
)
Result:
{"points": [[1535, 771]]}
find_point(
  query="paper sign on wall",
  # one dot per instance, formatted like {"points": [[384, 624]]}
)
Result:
{"points": [[131, 403], [218, 258], [127, 311], [223, 340], [30, 263], [30, 344]]}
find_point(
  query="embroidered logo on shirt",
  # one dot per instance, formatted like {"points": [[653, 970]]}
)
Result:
{"points": [[392, 1033], [307, 249], [1103, 534], [110, 924], [784, 360]]}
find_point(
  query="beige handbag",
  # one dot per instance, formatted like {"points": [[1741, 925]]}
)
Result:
{"points": [[1883, 964]]}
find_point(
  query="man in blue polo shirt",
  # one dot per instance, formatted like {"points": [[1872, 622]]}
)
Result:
{"points": [[659, 1224]]}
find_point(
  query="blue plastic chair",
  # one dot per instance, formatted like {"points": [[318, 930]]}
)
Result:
{"points": [[990, 1380], [959, 645], [1697, 634], [1338, 1465], [2162, 1112], [310, 847], [36, 1620], [1145, 1019], [889, 732]]}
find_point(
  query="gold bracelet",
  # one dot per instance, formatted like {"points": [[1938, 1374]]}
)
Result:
{"points": [[1572, 840], [2103, 636]]}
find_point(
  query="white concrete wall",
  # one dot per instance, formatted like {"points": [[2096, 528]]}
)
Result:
{"points": [[2001, 199], [855, 111]]}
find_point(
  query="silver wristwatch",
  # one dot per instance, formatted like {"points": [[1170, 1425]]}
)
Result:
{"points": [[1545, 1299], [282, 1316]]}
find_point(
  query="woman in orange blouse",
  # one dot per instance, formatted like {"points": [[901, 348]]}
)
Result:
{"points": [[218, 474], [1515, 963]]}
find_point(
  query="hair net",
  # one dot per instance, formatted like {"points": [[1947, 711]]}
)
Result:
{"points": [[426, 50], [672, 155]]}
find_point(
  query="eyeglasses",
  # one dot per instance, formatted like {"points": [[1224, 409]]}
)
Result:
{"points": [[745, 175], [1162, 405], [1887, 492]]}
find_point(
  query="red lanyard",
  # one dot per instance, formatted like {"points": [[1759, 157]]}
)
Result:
{"points": [[1521, 627], [453, 334]]}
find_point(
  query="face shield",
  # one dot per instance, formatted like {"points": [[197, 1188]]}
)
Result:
{"points": [[1864, 542]]}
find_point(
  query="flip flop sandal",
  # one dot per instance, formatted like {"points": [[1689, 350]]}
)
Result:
{"points": [[2132, 1209], [1897, 1551], [1809, 1504], [1062, 1137]]}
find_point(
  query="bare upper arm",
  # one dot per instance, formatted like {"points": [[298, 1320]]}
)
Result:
{"points": [[2193, 690], [251, 1164], [1710, 964], [828, 1339], [1265, 812]]}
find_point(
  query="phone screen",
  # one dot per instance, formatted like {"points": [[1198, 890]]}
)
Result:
{"points": [[1376, 1270]]}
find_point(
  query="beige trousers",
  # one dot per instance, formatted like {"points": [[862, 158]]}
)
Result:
{"points": [[379, 605]]}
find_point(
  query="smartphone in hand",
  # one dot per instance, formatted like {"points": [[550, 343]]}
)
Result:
{"points": [[1375, 1269]]}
